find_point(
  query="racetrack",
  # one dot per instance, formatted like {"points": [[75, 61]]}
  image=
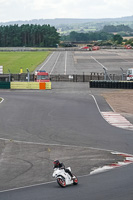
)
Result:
{"points": [[34, 121], [79, 62]]}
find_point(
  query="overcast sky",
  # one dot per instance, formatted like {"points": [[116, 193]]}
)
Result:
{"points": [[12, 10]]}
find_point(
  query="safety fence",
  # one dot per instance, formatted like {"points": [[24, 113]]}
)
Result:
{"points": [[85, 78], [26, 85], [60, 77], [8, 49], [111, 84]]}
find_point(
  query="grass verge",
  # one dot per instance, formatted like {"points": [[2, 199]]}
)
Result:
{"points": [[16, 60]]}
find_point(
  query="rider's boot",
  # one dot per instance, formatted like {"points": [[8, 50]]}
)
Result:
{"points": [[73, 177]]}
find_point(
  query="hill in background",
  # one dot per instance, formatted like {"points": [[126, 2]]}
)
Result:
{"points": [[66, 25]]}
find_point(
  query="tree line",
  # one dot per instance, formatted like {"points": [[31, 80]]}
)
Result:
{"points": [[90, 36], [28, 35], [118, 28], [47, 36]]}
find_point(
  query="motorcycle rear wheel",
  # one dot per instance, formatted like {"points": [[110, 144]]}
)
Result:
{"points": [[61, 181]]}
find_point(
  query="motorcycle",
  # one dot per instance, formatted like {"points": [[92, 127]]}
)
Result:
{"points": [[63, 178]]}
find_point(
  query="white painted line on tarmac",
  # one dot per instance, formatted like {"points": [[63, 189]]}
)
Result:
{"points": [[98, 61], [113, 118], [96, 103], [55, 63], [49, 144], [1, 100], [34, 185], [47, 60], [111, 108]]}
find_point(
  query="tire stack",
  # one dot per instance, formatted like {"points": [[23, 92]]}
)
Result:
{"points": [[111, 84]]}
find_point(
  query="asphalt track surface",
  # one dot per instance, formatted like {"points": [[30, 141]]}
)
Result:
{"points": [[69, 115], [79, 62]]}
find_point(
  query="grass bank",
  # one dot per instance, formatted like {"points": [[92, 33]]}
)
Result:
{"points": [[16, 60]]}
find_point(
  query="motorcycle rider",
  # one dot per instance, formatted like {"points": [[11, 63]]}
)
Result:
{"points": [[59, 165]]}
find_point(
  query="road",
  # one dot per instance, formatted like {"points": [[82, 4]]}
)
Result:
{"points": [[66, 115], [114, 185], [79, 62]]}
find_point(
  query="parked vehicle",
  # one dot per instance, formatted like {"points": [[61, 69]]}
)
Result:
{"points": [[130, 74], [63, 178], [128, 46], [41, 76]]}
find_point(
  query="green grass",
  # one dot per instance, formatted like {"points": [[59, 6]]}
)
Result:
{"points": [[16, 60]]}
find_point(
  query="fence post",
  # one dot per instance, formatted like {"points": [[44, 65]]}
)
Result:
{"points": [[9, 75], [28, 74], [76, 77], [122, 73], [83, 77]]}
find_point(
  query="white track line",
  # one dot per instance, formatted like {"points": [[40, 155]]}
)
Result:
{"points": [[49, 144], [96, 103], [1, 100], [98, 62], [55, 63], [34, 185], [47, 60], [115, 119]]}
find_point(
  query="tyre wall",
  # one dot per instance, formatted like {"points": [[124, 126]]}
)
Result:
{"points": [[111, 84]]}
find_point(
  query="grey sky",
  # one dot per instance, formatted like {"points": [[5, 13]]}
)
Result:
{"points": [[12, 10]]}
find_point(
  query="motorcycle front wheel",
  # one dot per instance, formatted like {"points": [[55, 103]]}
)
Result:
{"points": [[61, 181], [75, 181]]}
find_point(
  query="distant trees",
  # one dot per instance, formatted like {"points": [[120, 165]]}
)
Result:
{"points": [[85, 37], [130, 41], [118, 39], [28, 35], [98, 38], [118, 28]]}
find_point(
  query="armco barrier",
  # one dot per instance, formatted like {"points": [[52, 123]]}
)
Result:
{"points": [[4, 85], [111, 84]]}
